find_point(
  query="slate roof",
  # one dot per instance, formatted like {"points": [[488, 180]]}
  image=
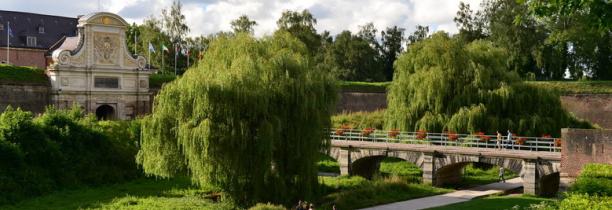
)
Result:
{"points": [[25, 24]]}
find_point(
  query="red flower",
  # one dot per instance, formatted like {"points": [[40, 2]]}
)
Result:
{"points": [[367, 131], [452, 136], [421, 134], [393, 133], [546, 136], [557, 142], [521, 140], [482, 136]]}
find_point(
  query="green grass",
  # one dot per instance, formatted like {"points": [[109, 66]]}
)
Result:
{"points": [[496, 203], [474, 176], [376, 87], [576, 87], [20, 74], [395, 167], [328, 164], [359, 120], [360, 193], [145, 193], [157, 80]]}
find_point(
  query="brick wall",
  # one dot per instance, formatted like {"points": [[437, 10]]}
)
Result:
{"points": [[32, 98], [25, 57], [358, 101], [596, 108], [582, 146]]}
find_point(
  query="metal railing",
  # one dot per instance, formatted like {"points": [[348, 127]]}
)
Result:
{"points": [[450, 139]]}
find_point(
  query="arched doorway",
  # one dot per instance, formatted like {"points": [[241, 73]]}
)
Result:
{"points": [[105, 112]]}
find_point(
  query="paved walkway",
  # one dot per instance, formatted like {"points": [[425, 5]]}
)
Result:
{"points": [[453, 197]]}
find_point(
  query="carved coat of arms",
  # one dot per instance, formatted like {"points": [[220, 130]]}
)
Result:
{"points": [[105, 49]]}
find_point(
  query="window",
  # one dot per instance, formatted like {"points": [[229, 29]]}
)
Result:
{"points": [[106, 82], [41, 29], [31, 41], [1, 27]]}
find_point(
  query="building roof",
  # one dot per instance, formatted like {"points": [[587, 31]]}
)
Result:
{"points": [[25, 25]]}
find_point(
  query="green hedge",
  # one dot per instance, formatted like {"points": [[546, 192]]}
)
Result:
{"points": [[62, 149], [157, 80], [377, 87], [20, 74]]}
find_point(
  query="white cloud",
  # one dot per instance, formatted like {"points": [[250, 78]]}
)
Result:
{"points": [[210, 16]]}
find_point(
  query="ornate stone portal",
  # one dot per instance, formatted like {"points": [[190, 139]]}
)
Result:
{"points": [[96, 71]]}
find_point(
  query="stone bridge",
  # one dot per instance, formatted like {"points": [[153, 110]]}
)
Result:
{"points": [[443, 164]]}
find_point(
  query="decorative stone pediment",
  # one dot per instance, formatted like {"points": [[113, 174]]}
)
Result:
{"points": [[101, 42]]}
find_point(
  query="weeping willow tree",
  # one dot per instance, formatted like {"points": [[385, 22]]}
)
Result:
{"points": [[249, 119], [443, 84]]}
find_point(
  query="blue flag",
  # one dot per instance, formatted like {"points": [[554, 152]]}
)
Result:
{"points": [[151, 48], [10, 32]]}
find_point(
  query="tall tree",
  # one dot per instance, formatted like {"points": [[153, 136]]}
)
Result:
{"points": [[251, 121], [445, 84], [243, 25], [419, 34], [368, 32], [301, 25], [174, 22], [353, 58], [471, 26], [391, 47]]}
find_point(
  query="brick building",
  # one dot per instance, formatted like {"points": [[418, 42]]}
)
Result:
{"points": [[33, 36]]}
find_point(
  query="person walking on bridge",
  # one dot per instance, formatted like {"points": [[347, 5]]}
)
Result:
{"points": [[499, 139], [509, 139], [501, 174]]}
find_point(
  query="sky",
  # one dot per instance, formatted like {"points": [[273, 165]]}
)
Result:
{"points": [[210, 16]]}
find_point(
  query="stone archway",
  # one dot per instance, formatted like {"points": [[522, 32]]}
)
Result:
{"points": [[105, 112]]}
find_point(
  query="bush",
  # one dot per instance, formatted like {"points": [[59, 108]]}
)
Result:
{"points": [[61, 149], [359, 120], [157, 80], [595, 179]]}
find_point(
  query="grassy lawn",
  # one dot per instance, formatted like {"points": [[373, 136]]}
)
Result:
{"points": [[20, 74], [357, 192], [576, 87], [144, 193], [496, 203]]}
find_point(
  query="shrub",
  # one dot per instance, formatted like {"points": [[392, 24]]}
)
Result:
{"points": [[61, 149], [358, 120], [595, 179], [22, 74]]}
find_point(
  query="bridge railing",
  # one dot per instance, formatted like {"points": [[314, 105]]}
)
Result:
{"points": [[450, 139]]}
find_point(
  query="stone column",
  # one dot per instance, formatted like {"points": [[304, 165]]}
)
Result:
{"points": [[530, 177], [429, 167], [345, 161]]}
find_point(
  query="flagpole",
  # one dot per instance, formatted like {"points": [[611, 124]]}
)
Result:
{"points": [[149, 60], [8, 43], [162, 55], [175, 55]]}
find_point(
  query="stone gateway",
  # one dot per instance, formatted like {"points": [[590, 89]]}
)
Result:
{"points": [[96, 71]]}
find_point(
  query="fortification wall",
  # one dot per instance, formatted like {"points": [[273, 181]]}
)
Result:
{"points": [[582, 146], [30, 97]]}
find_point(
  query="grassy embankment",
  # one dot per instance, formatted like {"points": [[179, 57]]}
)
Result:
{"points": [[19, 74]]}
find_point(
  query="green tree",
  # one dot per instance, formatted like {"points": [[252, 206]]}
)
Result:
{"points": [[471, 26], [353, 58], [174, 22], [250, 121], [444, 84], [243, 25], [419, 34], [301, 25], [391, 47], [512, 27]]}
